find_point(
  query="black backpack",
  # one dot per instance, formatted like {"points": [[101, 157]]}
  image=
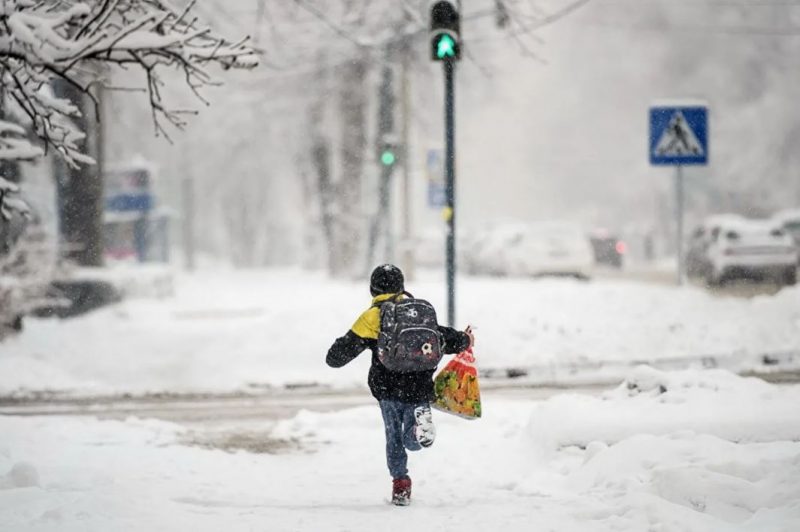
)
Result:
{"points": [[409, 339]]}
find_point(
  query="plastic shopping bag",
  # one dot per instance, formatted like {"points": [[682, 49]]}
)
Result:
{"points": [[456, 387]]}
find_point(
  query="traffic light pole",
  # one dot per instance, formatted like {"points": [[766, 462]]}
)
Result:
{"points": [[450, 186], [446, 47]]}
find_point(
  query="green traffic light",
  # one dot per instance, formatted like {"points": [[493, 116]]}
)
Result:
{"points": [[388, 158], [446, 47]]}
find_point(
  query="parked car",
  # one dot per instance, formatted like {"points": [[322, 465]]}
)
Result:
{"points": [[608, 250], [696, 259], [552, 249], [790, 221], [735, 247]]}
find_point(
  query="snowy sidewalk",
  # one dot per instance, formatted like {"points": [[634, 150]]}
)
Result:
{"points": [[689, 451]]}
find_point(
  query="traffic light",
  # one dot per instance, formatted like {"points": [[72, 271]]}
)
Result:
{"points": [[388, 154], [445, 31], [388, 157]]}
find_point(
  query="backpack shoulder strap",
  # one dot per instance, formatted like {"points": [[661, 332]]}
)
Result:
{"points": [[379, 304]]}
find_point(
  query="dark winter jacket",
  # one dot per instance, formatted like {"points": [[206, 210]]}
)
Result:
{"points": [[414, 387]]}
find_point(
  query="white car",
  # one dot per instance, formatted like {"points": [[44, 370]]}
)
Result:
{"points": [[531, 249], [551, 248], [696, 259], [749, 249], [430, 252]]}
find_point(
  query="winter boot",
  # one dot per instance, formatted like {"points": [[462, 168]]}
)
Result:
{"points": [[401, 491], [424, 430]]}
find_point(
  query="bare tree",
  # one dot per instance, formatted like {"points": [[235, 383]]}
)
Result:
{"points": [[314, 47], [353, 101], [320, 159], [358, 34]]}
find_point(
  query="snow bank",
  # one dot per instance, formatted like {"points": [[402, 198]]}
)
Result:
{"points": [[247, 330], [696, 450], [714, 402], [686, 481], [507, 471]]}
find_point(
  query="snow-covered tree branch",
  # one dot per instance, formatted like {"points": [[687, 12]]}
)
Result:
{"points": [[8, 203], [74, 41], [13, 147]]}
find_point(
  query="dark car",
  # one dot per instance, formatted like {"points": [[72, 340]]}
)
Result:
{"points": [[608, 250]]}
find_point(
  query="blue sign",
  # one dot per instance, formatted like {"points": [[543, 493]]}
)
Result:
{"points": [[434, 165], [437, 194], [678, 135], [141, 201]]}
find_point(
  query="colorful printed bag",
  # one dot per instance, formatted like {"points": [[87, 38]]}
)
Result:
{"points": [[456, 387]]}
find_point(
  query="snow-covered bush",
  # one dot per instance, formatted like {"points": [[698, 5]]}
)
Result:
{"points": [[25, 274]]}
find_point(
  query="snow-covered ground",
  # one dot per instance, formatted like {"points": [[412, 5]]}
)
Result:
{"points": [[680, 451], [234, 330]]}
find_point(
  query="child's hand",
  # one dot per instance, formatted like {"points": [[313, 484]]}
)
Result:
{"points": [[468, 332]]}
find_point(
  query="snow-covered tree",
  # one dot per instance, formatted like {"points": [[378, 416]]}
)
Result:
{"points": [[26, 270], [77, 41], [42, 41]]}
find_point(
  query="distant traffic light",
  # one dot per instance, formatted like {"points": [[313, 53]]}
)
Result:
{"points": [[445, 32], [388, 151], [388, 156]]}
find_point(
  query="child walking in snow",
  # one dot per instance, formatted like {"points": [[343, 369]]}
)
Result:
{"points": [[404, 392]]}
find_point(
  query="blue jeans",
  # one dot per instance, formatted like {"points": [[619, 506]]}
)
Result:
{"points": [[398, 419]]}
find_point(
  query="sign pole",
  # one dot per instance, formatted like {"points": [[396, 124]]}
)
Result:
{"points": [[450, 176], [679, 211]]}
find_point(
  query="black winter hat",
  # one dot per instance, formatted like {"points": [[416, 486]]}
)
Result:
{"points": [[386, 279]]}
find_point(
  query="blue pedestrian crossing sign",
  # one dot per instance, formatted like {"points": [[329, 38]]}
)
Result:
{"points": [[679, 135]]}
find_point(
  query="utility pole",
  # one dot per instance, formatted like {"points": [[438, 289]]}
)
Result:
{"points": [[446, 47]]}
